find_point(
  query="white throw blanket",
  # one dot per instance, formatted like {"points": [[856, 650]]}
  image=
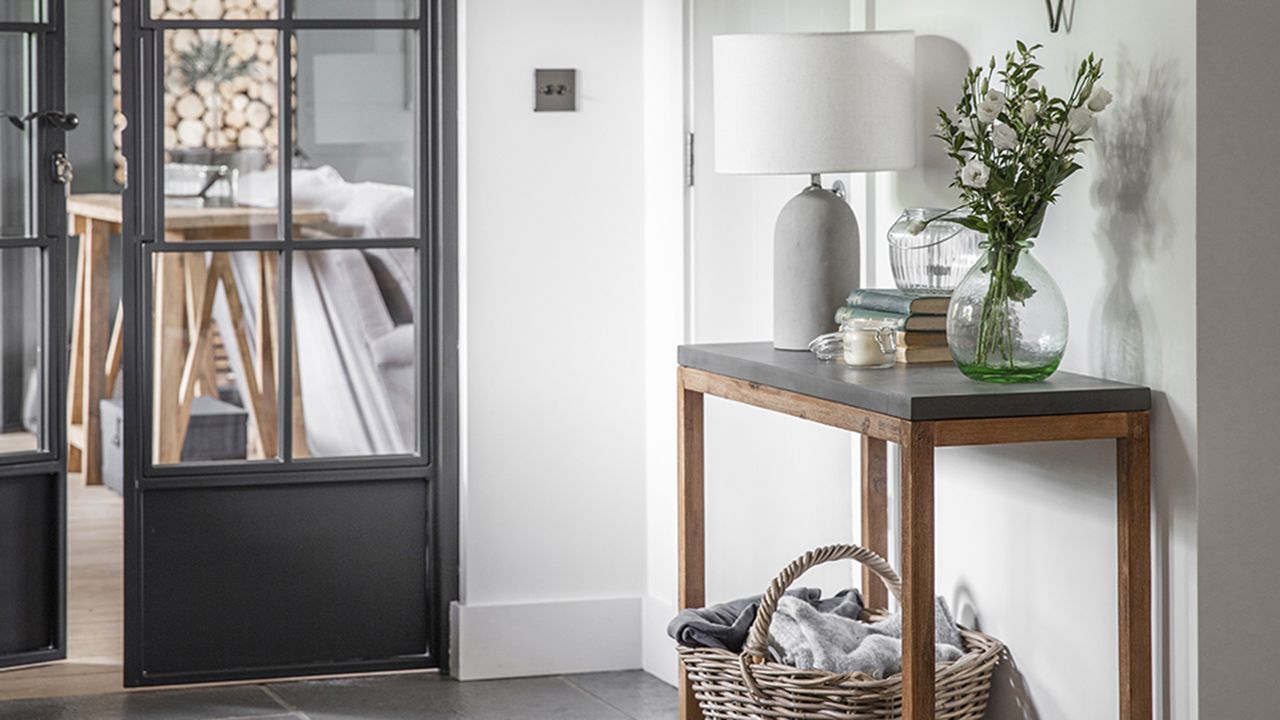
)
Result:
{"points": [[804, 638], [376, 210]]}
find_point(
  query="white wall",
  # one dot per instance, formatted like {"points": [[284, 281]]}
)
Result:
{"points": [[571, 236], [1026, 535], [1239, 341], [665, 283], [728, 297], [553, 495]]}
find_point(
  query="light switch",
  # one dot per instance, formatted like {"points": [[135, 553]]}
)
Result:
{"points": [[555, 90]]}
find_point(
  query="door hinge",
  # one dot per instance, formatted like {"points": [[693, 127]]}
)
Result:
{"points": [[688, 159]]}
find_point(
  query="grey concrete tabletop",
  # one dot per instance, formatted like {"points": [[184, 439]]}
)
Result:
{"points": [[913, 392]]}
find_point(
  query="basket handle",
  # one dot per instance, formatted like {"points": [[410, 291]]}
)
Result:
{"points": [[754, 649]]}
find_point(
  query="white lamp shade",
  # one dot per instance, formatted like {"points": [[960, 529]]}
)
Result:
{"points": [[805, 103]]}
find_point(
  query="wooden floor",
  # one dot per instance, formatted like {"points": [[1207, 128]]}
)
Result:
{"points": [[95, 603], [17, 442]]}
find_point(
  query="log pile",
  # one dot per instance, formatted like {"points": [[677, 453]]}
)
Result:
{"points": [[240, 114]]}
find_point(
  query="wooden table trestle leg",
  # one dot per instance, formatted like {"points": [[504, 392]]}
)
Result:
{"points": [[917, 572], [96, 248], [75, 373], [875, 515], [691, 522], [1133, 499]]}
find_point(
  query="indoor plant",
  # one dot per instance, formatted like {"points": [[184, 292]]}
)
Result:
{"points": [[1014, 145], [204, 68]]}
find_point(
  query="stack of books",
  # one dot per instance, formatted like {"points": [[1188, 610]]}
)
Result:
{"points": [[921, 321]]}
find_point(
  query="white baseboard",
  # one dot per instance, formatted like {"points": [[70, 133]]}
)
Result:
{"points": [[519, 640], [658, 650]]}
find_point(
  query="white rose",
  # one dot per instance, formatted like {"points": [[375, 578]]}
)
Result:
{"points": [[975, 174], [997, 98], [988, 111], [1029, 110], [915, 227], [1004, 137], [1099, 99], [1080, 120]]}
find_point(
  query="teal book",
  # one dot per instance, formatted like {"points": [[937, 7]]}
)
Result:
{"points": [[902, 321], [896, 301]]}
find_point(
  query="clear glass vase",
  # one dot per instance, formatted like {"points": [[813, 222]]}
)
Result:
{"points": [[1007, 322]]}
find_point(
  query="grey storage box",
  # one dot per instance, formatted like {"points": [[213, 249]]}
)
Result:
{"points": [[112, 422], [217, 431]]}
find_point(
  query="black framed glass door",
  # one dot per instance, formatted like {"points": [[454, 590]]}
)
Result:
{"points": [[284, 504], [32, 336]]}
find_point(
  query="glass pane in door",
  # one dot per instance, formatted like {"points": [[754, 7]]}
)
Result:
{"points": [[355, 163], [20, 10], [365, 10], [211, 10], [15, 142], [22, 401], [355, 391], [214, 321], [221, 134]]}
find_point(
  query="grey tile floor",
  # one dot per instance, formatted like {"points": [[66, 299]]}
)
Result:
{"points": [[421, 696]]}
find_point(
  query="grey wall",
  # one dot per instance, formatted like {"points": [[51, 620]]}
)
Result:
{"points": [[89, 92], [1239, 341], [89, 95], [13, 143], [19, 270]]}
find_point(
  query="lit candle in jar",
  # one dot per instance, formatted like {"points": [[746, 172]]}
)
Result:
{"points": [[869, 345]]}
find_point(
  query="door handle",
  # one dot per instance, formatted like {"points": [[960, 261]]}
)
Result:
{"points": [[56, 118]]}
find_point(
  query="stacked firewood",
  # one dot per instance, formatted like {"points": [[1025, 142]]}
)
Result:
{"points": [[239, 114]]}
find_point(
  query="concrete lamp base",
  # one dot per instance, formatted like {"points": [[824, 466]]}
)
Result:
{"points": [[815, 265]]}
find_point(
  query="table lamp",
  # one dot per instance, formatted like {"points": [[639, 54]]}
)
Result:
{"points": [[807, 104]]}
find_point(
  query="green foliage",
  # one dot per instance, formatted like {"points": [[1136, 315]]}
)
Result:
{"points": [[1039, 138], [209, 59], [1014, 145]]}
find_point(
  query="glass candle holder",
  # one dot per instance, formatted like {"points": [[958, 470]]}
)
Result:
{"points": [[933, 261], [869, 344]]}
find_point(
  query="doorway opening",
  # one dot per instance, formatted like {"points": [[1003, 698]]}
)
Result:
{"points": [[230, 381]]}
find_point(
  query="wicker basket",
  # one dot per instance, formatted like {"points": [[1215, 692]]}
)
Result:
{"points": [[730, 686]]}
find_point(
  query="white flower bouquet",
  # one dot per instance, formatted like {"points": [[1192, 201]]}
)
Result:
{"points": [[1014, 145]]}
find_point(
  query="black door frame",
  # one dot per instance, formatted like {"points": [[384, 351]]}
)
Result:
{"points": [[47, 206], [437, 328]]}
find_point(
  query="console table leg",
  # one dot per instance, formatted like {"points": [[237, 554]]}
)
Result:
{"points": [[875, 515], [1133, 489], [690, 513], [917, 572]]}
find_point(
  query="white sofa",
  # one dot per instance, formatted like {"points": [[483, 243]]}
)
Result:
{"points": [[353, 317]]}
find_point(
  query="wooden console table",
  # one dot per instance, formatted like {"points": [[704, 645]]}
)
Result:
{"points": [[95, 355], [920, 408]]}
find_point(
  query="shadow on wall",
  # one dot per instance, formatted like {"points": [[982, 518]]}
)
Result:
{"points": [[1074, 475], [946, 61], [1010, 697], [1135, 149]]}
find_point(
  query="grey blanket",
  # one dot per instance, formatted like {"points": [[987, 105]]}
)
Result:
{"points": [[725, 626], [809, 640]]}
